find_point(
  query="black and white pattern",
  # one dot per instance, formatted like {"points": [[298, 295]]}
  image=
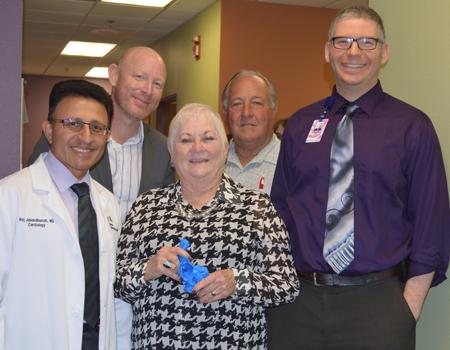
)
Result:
{"points": [[242, 232]]}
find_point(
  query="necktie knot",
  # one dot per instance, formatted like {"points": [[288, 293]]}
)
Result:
{"points": [[349, 109], [80, 189]]}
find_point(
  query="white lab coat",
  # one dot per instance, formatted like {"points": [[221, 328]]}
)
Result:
{"points": [[41, 266]]}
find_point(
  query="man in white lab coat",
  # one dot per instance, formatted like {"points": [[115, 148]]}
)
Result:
{"points": [[42, 267]]}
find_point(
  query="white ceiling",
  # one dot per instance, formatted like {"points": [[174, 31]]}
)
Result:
{"points": [[50, 24]]}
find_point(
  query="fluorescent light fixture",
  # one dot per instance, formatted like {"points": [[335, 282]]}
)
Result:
{"points": [[88, 49], [97, 72], [149, 3]]}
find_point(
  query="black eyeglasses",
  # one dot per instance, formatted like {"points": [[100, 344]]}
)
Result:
{"points": [[345, 42], [76, 125]]}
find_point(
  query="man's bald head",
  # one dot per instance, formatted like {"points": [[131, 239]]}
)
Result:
{"points": [[141, 52], [137, 82]]}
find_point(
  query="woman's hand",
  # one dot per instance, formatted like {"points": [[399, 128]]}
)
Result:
{"points": [[165, 262], [218, 285]]}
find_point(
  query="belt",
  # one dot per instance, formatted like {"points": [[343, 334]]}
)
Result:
{"points": [[329, 279], [87, 328]]}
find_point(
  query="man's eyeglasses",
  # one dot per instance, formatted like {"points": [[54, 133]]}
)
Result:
{"points": [[76, 125], [344, 42]]}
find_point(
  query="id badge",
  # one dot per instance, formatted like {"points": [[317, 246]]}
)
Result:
{"points": [[317, 130]]}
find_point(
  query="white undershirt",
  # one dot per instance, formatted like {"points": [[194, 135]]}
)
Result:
{"points": [[126, 167]]}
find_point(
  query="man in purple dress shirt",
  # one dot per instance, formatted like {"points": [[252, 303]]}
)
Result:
{"points": [[401, 206]]}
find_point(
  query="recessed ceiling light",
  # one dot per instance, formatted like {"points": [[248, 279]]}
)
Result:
{"points": [[149, 3], [97, 72], [88, 49]]}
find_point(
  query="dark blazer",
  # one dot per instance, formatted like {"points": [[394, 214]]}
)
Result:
{"points": [[156, 169]]}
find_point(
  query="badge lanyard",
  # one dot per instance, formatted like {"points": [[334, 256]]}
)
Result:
{"points": [[319, 125]]}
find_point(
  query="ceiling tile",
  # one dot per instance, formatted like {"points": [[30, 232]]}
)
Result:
{"points": [[116, 10], [73, 6], [194, 6], [71, 66], [117, 22], [49, 27], [52, 17]]}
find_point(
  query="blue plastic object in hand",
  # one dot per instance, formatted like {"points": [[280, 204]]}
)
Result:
{"points": [[190, 274]]}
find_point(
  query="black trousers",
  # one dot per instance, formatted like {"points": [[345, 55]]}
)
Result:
{"points": [[374, 316]]}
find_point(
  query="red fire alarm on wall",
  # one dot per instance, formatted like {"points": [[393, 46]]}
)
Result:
{"points": [[196, 47]]}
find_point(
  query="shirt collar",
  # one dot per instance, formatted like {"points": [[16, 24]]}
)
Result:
{"points": [[265, 155], [61, 175], [366, 103]]}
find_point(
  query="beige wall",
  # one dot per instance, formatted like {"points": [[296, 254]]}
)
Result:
{"points": [[419, 73], [191, 80]]}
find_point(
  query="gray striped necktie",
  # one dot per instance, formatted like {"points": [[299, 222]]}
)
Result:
{"points": [[338, 249], [88, 237]]}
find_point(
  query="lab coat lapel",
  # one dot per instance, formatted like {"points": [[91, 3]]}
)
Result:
{"points": [[43, 185], [100, 202]]}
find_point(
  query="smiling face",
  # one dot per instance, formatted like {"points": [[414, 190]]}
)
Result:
{"points": [[356, 71], [78, 151], [137, 83], [250, 114], [198, 152]]}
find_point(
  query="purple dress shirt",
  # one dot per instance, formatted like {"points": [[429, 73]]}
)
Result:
{"points": [[401, 198]]}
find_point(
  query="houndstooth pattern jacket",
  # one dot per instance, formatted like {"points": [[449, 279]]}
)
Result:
{"points": [[241, 231]]}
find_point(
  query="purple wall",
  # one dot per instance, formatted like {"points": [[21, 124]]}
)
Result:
{"points": [[10, 85]]}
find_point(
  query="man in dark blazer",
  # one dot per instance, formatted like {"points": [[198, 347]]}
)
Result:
{"points": [[136, 157], [137, 84]]}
